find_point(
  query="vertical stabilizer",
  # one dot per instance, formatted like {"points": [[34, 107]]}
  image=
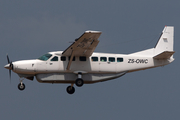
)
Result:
{"points": [[166, 40]]}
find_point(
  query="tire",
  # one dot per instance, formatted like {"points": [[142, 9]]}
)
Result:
{"points": [[79, 82], [21, 86], [70, 89]]}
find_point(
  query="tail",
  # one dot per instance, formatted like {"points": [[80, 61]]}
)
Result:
{"points": [[164, 47]]}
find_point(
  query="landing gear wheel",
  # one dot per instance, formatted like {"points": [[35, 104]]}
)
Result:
{"points": [[79, 82], [21, 86], [70, 89]]}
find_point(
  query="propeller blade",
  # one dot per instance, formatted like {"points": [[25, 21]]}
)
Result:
{"points": [[8, 59], [10, 75], [10, 67]]}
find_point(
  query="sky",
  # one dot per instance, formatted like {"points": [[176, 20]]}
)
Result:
{"points": [[31, 28]]}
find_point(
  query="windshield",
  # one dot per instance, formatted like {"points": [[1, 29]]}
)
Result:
{"points": [[45, 57]]}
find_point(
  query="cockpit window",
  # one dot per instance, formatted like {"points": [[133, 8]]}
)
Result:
{"points": [[45, 57], [55, 58]]}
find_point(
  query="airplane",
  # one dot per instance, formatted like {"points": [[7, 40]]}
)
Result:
{"points": [[79, 64]]}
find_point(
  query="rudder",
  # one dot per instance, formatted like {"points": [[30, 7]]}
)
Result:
{"points": [[166, 40]]}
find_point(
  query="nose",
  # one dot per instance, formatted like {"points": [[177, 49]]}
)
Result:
{"points": [[8, 66]]}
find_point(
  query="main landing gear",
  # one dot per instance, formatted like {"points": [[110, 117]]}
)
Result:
{"points": [[70, 89], [79, 82]]}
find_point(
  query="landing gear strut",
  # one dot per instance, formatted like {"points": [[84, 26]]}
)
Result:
{"points": [[70, 89]]}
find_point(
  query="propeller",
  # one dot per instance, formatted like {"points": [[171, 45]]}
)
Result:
{"points": [[9, 66]]}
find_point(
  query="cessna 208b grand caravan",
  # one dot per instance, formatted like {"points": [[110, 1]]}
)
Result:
{"points": [[79, 64]]}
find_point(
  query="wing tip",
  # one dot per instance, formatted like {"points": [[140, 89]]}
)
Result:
{"points": [[91, 31]]}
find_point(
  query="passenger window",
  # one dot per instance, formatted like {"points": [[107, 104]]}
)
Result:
{"points": [[111, 59], [63, 58], [95, 59], [55, 58], [119, 59], [103, 59], [82, 58], [73, 58]]}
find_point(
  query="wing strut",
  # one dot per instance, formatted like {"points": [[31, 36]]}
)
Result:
{"points": [[70, 61]]}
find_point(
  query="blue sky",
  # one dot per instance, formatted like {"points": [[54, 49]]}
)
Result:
{"points": [[29, 29]]}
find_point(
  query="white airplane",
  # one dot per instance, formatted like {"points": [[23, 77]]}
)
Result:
{"points": [[79, 64]]}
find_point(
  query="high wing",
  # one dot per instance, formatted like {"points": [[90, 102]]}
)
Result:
{"points": [[83, 46]]}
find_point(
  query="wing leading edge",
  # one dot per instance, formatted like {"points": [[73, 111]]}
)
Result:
{"points": [[83, 46]]}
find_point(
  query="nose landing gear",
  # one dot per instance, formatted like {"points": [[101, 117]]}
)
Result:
{"points": [[21, 85]]}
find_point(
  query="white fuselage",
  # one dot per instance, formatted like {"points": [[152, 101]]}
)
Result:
{"points": [[98, 67]]}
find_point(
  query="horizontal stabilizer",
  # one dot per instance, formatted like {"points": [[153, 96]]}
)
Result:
{"points": [[164, 55]]}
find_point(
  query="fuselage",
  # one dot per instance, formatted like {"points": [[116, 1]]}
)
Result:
{"points": [[53, 66]]}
